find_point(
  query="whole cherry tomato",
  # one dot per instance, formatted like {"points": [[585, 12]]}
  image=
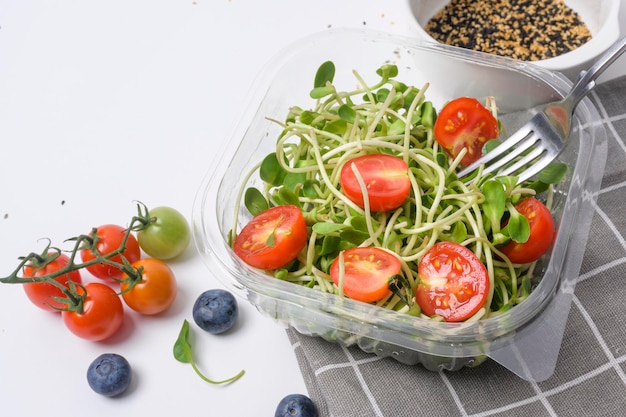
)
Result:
{"points": [[156, 290], [102, 313], [110, 238], [168, 234], [42, 294]]}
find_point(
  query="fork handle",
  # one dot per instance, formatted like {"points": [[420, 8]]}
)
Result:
{"points": [[586, 80]]}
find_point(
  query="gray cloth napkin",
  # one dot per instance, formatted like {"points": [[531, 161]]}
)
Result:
{"points": [[590, 375]]}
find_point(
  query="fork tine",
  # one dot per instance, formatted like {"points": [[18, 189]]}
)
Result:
{"points": [[525, 161], [511, 141], [531, 139], [534, 169]]}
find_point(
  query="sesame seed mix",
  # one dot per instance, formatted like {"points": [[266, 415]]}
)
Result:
{"points": [[527, 30]]}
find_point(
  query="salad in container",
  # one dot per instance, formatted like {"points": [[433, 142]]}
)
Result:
{"points": [[335, 208]]}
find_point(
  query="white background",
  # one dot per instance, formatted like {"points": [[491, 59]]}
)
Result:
{"points": [[106, 102]]}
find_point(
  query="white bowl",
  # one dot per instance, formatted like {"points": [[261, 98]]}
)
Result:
{"points": [[600, 16]]}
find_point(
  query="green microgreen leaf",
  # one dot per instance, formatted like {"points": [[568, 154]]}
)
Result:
{"points": [[325, 73], [347, 113], [325, 228], [387, 71], [271, 171], [494, 206], [518, 227], [553, 173], [255, 201], [330, 244], [184, 353]]}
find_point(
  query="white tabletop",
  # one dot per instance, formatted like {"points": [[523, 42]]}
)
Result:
{"points": [[105, 103]]}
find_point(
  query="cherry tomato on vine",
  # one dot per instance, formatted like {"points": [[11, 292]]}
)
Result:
{"points": [[454, 283], [42, 293], [273, 238], [156, 290], [542, 232], [465, 123], [385, 177], [102, 315], [367, 273], [110, 238], [168, 234]]}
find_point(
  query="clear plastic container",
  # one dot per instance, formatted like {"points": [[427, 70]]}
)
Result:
{"points": [[527, 338]]}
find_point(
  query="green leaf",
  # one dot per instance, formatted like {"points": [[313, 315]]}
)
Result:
{"points": [[325, 73], [387, 71], [459, 232], [518, 227], [494, 206], [287, 197], [382, 94], [255, 201], [335, 126], [183, 353], [326, 228], [347, 113], [330, 244], [553, 173], [182, 348], [271, 171], [321, 92], [293, 180], [429, 114]]}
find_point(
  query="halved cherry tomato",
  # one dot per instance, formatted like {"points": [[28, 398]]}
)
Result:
{"points": [[454, 283], [386, 180], [542, 232], [155, 292], [465, 123], [102, 315], [110, 238], [273, 238], [42, 293], [367, 273]]}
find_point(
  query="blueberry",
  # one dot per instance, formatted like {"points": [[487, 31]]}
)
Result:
{"points": [[215, 311], [109, 374], [296, 405]]}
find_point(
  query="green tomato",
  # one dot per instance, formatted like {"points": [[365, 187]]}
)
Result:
{"points": [[167, 236]]}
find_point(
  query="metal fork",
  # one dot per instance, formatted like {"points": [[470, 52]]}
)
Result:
{"points": [[544, 136]]}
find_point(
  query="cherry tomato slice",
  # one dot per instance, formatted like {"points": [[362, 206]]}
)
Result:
{"points": [[465, 123], [542, 232], [102, 315], [367, 273], [110, 238], [155, 292], [386, 180], [454, 283], [273, 238], [42, 293]]}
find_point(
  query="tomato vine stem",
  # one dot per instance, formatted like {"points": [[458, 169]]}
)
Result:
{"points": [[74, 294]]}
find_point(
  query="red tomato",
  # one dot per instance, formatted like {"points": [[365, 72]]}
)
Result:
{"points": [[542, 232], [386, 180], [465, 123], [102, 315], [110, 238], [454, 283], [42, 293], [273, 238], [367, 273], [156, 290]]}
